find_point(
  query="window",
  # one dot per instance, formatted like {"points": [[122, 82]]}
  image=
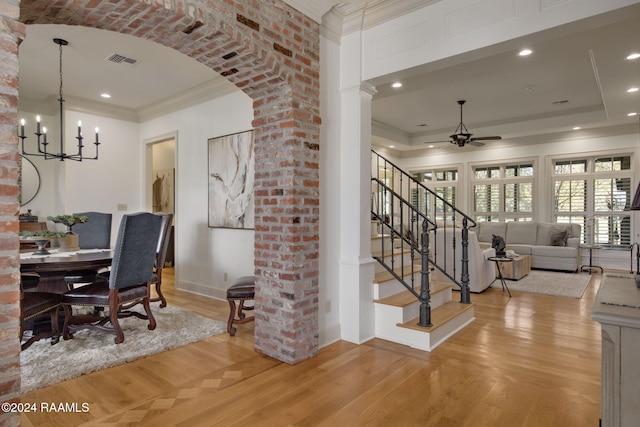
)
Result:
{"points": [[594, 192], [503, 192], [443, 182]]}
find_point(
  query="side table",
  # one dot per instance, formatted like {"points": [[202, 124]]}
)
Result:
{"points": [[498, 260], [590, 267]]}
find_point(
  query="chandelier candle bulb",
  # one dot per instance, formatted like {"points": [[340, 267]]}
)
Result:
{"points": [[97, 135], [79, 128], [22, 122], [37, 125]]}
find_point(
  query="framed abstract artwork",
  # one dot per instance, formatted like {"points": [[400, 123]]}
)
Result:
{"points": [[231, 181]]}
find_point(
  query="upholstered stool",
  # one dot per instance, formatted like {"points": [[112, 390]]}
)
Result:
{"points": [[243, 289]]}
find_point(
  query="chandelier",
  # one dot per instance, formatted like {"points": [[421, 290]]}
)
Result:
{"points": [[41, 134]]}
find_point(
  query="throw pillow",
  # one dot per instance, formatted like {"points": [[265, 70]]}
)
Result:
{"points": [[558, 238]]}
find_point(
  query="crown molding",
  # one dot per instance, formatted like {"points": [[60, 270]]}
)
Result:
{"points": [[207, 91], [210, 90], [314, 9], [51, 107], [361, 15]]}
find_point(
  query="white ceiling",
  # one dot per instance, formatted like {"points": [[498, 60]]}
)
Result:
{"points": [[506, 95], [160, 75], [511, 96]]}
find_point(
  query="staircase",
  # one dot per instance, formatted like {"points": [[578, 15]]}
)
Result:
{"points": [[413, 296]]}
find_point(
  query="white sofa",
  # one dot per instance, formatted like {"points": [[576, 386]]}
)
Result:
{"points": [[543, 241], [482, 272]]}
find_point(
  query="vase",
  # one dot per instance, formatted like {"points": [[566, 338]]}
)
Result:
{"points": [[41, 244], [69, 243]]}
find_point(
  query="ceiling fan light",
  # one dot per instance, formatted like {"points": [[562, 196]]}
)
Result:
{"points": [[525, 52]]}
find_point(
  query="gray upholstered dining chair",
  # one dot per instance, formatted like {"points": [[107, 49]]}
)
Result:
{"points": [[131, 270], [93, 234], [161, 256]]}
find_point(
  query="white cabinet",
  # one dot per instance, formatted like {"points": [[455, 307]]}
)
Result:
{"points": [[617, 309]]}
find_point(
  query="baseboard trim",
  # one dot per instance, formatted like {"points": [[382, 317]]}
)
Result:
{"points": [[206, 291]]}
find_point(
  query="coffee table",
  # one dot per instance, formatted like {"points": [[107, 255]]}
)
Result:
{"points": [[519, 267]]}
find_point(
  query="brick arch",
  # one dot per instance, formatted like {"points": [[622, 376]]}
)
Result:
{"points": [[271, 52]]}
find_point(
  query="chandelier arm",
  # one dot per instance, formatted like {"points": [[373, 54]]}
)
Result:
{"points": [[42, 136]]}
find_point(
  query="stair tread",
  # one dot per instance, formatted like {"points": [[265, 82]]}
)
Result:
{"points": [[385, 276], [439, 316], [405, 298]]}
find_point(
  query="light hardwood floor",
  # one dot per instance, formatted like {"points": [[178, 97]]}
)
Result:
{"points": [[530, 360]]}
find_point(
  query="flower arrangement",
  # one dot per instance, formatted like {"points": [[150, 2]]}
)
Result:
{"points": [[68, 220]]}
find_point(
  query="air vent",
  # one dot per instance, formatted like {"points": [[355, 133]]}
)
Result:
{"points": [[121, 59], [564, 101]]}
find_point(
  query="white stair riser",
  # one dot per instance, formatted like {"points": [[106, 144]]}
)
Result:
{"points": [[393, 314], [424, 340], [393, 286]]}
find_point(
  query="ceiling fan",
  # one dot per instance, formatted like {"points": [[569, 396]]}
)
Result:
{"points": [[461, 135]]}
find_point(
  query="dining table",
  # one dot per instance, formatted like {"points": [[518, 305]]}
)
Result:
{"points": [[52, 267]]}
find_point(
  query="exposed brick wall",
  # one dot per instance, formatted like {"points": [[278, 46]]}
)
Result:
{"points": [[271, 52], [11, 32]]}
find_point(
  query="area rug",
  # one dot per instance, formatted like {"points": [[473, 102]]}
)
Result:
{"points": [[550, 283], [44, 364]]}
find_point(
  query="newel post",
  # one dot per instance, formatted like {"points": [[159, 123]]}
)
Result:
{"points": [[465, 297], [425, 295]]}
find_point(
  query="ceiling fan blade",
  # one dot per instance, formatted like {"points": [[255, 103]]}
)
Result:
{"points": [[475, 143], [436, 142], [486, 138]]}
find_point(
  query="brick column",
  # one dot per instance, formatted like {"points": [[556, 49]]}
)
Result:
{"points": [[11, 32]]}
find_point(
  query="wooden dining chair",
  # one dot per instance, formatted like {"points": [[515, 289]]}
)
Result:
{"points": [[32, 305], [161, 257], [93, 234], [128, 282]]}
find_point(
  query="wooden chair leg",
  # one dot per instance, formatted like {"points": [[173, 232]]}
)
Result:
{"points": [[232, 314], [55, 327], [147, 309], [163, 301], [68, 315], [113, 316]]}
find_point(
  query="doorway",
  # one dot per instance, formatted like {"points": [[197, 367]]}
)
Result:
{"points": [[162, 184]]}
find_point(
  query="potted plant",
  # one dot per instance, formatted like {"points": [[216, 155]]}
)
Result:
{"points": [[69, 242], [41, 238]]}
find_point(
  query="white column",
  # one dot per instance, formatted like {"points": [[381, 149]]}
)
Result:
{"points": [[356, 265]]}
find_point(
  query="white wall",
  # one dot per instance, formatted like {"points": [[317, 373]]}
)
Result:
{"points": [[203, 254]]}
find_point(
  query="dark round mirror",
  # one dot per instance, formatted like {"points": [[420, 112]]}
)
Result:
{"points": [[28, 181]]}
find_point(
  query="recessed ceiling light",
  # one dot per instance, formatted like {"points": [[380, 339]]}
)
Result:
{"points": [[105, 95], [392, 146], [396, 85], [634, 55], [525, 52], [632, 114], [430, 145], [577, 128], [632, 89]]}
